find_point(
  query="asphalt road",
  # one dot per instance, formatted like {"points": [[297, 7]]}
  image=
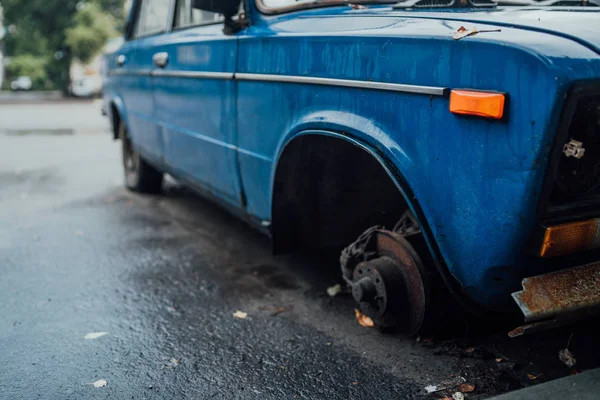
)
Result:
{"points": [[163, 275]]}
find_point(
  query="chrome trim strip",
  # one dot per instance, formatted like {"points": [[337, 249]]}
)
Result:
{"points": [[390, 87], [129, 72], [193, 74], [393, 87]]}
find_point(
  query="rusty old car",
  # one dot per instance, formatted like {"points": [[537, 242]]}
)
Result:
{"points": [[450, 147]]}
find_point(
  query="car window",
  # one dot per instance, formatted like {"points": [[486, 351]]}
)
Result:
{"points": [[186, 15], [153, 17]]}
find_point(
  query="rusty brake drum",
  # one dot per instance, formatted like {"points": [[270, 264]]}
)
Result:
{"points": [[388, 280]]}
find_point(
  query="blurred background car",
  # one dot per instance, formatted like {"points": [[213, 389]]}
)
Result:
{"points": [[21, 83], [85, 87]]}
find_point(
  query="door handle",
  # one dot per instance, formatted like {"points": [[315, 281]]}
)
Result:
{"points": [[121, 60], [161, 59]]}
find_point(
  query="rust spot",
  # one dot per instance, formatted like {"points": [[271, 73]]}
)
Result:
{"points": [[559, 292]]}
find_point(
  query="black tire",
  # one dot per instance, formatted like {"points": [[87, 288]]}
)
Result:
{"points": [[140, 176]]}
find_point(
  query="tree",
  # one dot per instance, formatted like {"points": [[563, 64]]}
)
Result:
{"points": [[40, 29], [91, 28], [116, 8], [31, 66]]}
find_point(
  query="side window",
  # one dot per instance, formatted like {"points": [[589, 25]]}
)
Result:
{"points": [[186, 15], [153, 17]]}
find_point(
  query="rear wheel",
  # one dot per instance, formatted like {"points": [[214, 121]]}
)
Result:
{"points": [[139, 175]]}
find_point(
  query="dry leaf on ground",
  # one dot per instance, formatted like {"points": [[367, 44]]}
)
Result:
{"points": [[276, 310], [240, 314], [466, 387], [567, 358], [334, 290], [499, 359], [95, 335], [363, 320], [458, 396], [431, 389], [470, 350], [100, 383], [447, 385], [532, 377]]}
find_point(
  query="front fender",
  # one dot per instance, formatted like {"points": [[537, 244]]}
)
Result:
{"points": [[367, 136]]}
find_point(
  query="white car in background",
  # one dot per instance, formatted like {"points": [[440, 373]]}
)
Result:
{"points": [[21, 83], [85, 87]]}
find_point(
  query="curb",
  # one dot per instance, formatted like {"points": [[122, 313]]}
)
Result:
{"points": [[583, 386]]}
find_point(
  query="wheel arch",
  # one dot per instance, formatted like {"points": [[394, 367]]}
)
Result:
{"points": [[282, 230], [116, 114], [373, 149]]}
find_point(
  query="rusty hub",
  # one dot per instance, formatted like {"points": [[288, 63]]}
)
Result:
{"points": [[389, 285]]}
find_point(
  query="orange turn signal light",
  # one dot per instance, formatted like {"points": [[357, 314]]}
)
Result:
{"points": [[570, 238], [481, 104]]}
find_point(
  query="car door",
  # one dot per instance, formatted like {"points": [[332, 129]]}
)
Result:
{"points": [[152, 19], [194, 95]]}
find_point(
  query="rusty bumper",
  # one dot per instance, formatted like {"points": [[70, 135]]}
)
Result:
{"points": [[559, 297]]}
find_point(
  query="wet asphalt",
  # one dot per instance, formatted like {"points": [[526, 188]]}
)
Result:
{"points": [[163, 275]]}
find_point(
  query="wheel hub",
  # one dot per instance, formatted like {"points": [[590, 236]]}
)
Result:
{"points": [[390, 286]]}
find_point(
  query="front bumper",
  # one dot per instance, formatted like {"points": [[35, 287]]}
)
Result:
{"points": [[558, 298]]}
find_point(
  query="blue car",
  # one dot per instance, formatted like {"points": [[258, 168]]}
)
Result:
{"points": [[451, 148]]}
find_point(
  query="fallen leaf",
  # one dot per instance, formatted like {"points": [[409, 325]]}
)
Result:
{"points": [[466, 387], [355, 383], [100, 383], [279, 310], [464, 32], [470, 350], [447, 385], [174, 362], [240, 314], [567, 358], [458, 396], [334, 290], [499, 359], [431, 389], [532, 377], [363, 320], [95, 335]]}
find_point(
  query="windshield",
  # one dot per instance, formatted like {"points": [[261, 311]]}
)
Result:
{"points": [[270, 6], [273, 6]]}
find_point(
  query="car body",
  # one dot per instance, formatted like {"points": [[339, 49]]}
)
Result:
{"points": [[21, 83], [262, 120]]}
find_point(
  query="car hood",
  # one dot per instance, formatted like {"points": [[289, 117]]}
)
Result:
{"points": [[579, 24]]}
